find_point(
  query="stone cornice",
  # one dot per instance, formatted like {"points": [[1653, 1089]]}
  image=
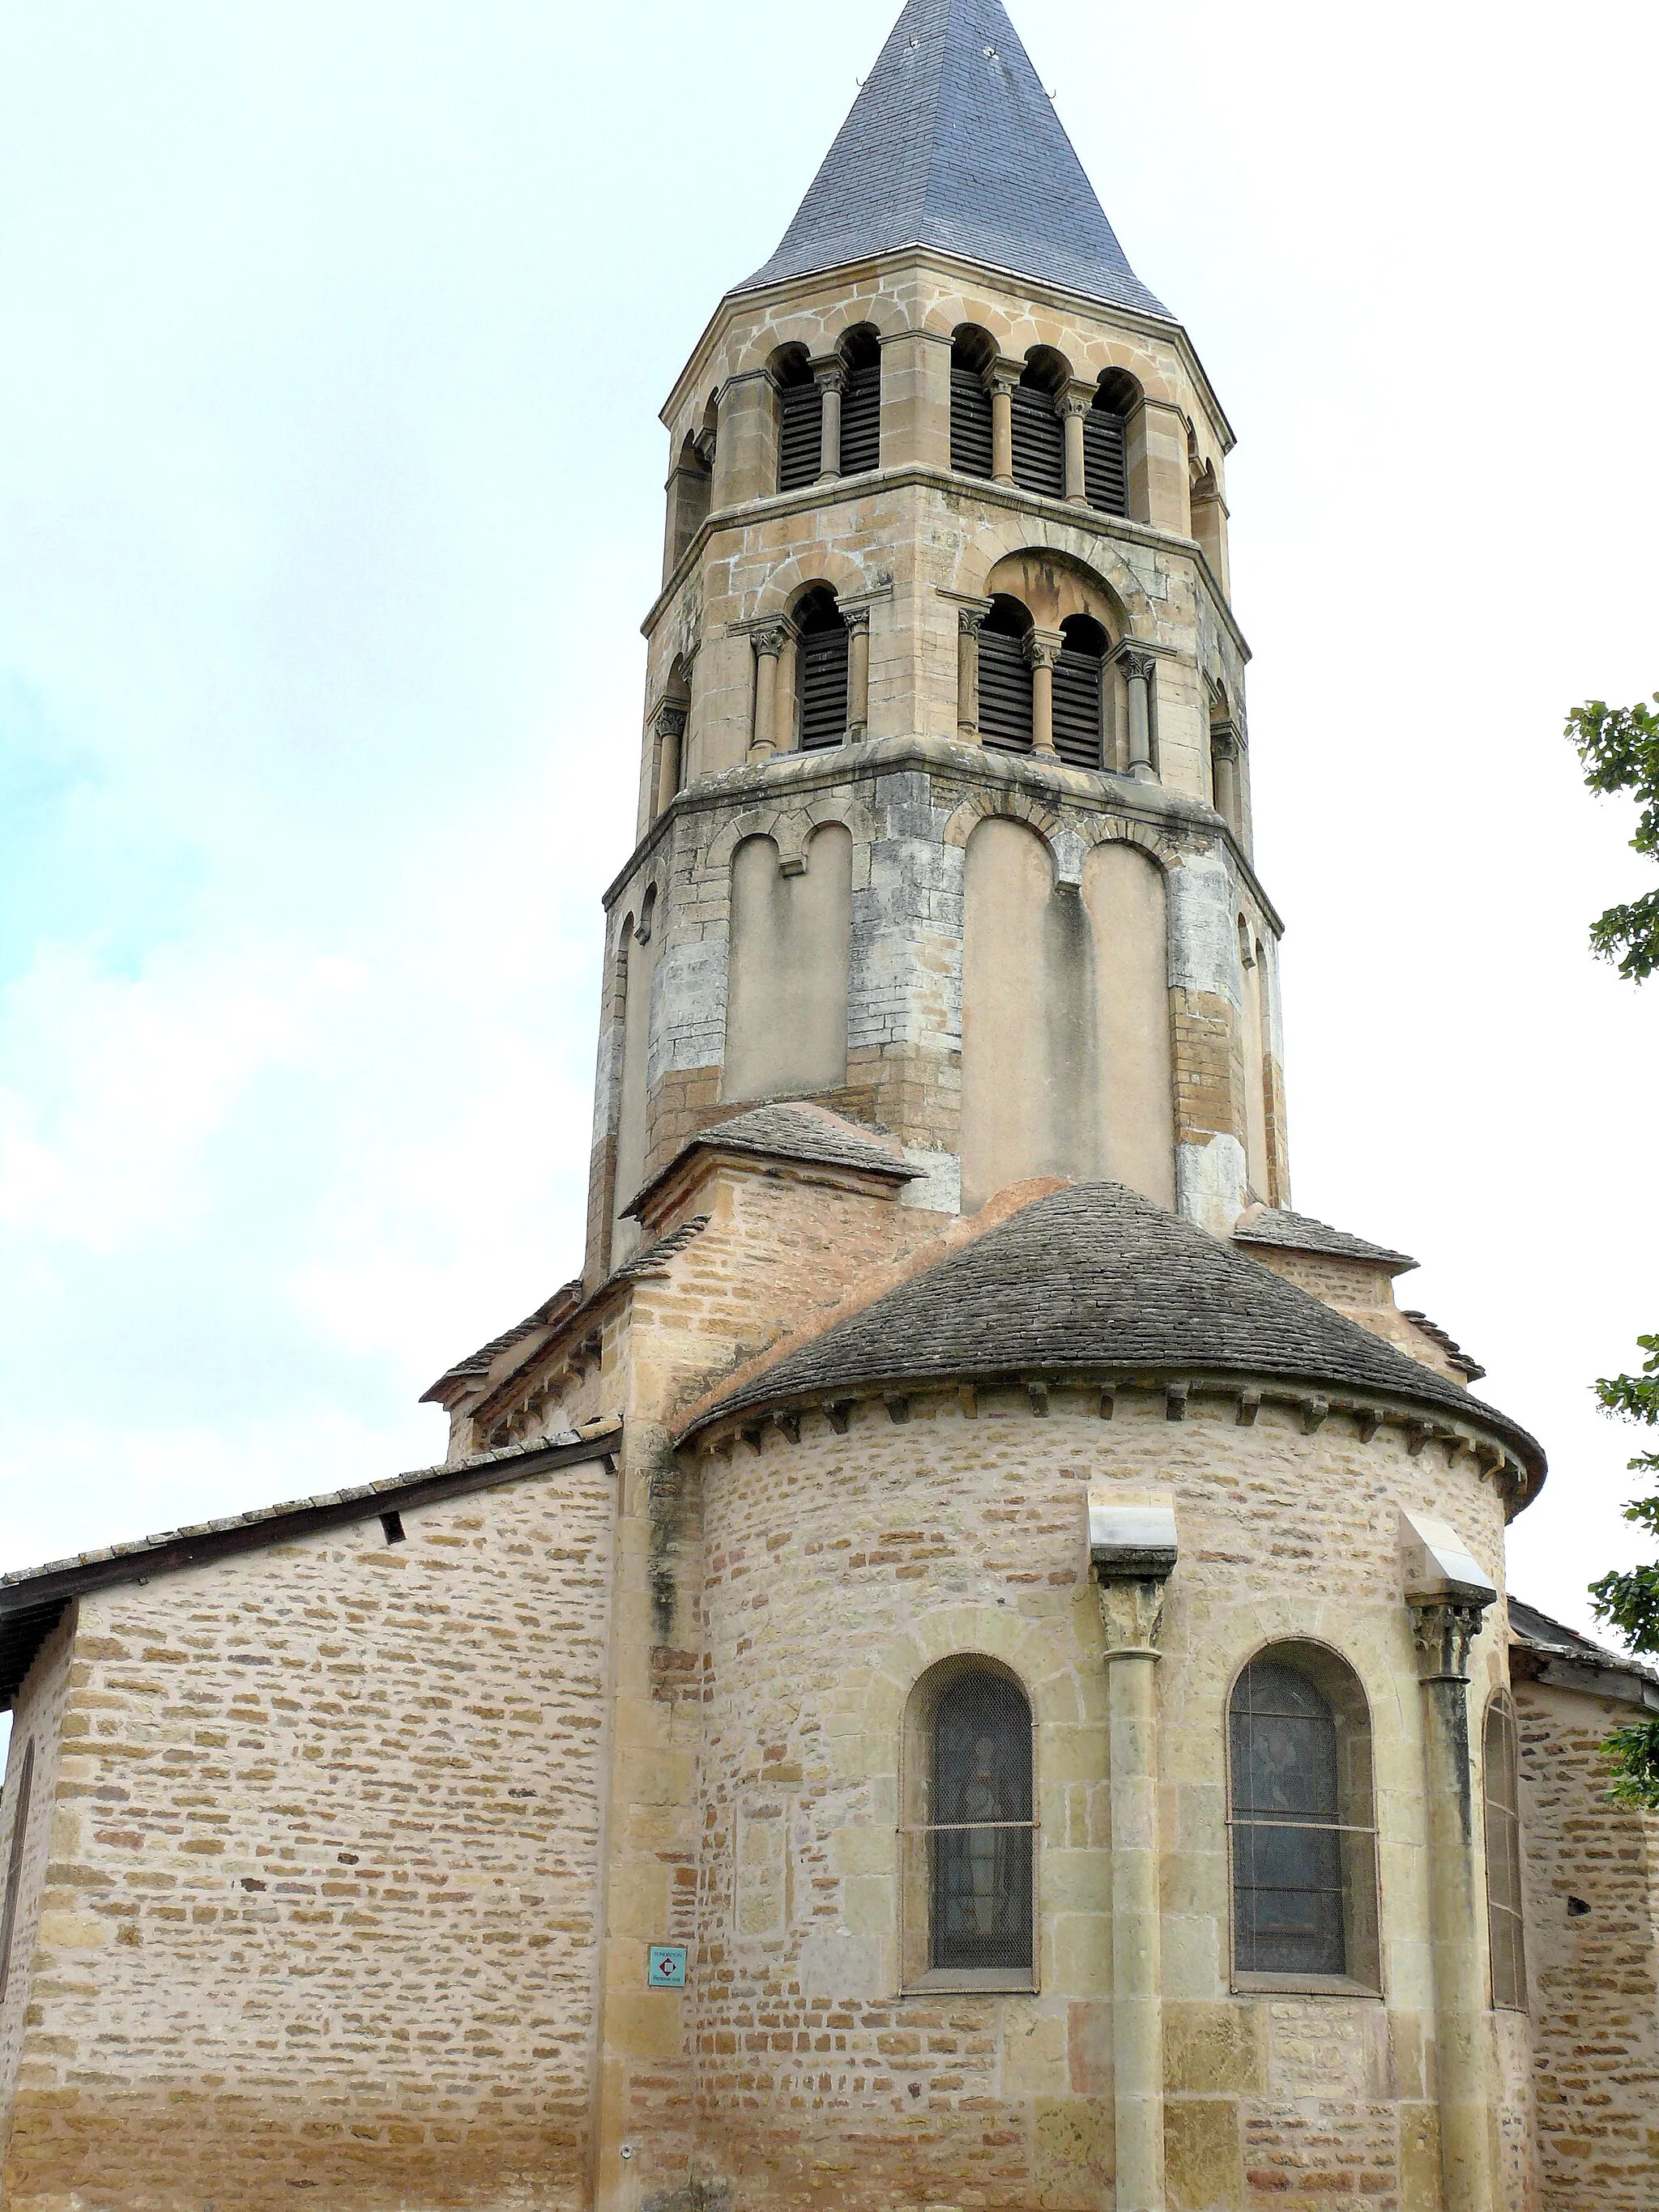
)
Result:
{"points": [[981, 488], [797, 776]]}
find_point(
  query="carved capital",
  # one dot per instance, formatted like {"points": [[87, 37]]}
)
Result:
{"points": [[1137, 663], [971, 620], [1043, 648], [1131, 1615], [669, 720], [1224, 739], [767, 638], [1076, 399], [830, 373], [1004, 375], [1443, 1630], [855, 617], [703, 444]]}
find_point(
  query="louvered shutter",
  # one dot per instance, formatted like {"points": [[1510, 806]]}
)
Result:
{"points": [[1105, 463], [970, 424], [1004, 692], [823, 657], [1039, 442], [860, 420], [1077, 708], [800, 435]]}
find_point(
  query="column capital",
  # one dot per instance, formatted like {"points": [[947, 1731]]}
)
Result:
{"points": [[669, 720], [1132, 1555], [1136, 662], [1003, 375], [971, 620], [703, 443], [829, 372], [855, 617], [768, 637], [1224, 739], [1443, 1630], [1043, 647], [1075, 399]]}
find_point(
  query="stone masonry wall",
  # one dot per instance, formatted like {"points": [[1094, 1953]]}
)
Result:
{"points": [[37, 1720], [1594, 1974], [322, 1908], [836, 1569]]}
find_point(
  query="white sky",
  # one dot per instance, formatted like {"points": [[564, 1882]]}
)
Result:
{"points": [[330, 502]]}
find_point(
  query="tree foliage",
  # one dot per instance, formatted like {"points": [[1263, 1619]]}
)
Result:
{"points": [[1618, 751]]}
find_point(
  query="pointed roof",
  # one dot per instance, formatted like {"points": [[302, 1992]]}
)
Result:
{"points": [[1097, 1278], [953, 142]]}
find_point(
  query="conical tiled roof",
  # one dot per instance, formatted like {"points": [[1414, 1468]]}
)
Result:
{"points": [[1095, 1278], [953, 142]]}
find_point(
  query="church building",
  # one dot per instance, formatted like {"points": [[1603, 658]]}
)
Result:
{"points": [[962, 1661]]}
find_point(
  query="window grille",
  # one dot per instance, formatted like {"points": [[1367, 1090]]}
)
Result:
{"points": [[1039, 442], [1105, 460], [1299, 1857], [800, 435], [970, 423], [860, 419], [1005, 688], [1077, 698], [20, 1829], [981, 1826], [1504, 1920]]}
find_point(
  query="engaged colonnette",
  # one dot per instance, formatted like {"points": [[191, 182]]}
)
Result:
{"points": [[962, 1661]]}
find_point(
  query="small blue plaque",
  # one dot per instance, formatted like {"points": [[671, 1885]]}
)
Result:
{"points": [[665, 1967]]}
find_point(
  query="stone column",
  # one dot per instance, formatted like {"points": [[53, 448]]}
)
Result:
{"points": [[1072, 404], [670, 725], [1132, 1553], [1138, 671], [1002, 376], [830, 377], [969, 621], [1223, 769], [1448, 1596], [1043, 650], [857, 620], [768, 642]]}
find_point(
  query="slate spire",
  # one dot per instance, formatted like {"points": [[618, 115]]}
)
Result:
{"points": [[953, 142]]}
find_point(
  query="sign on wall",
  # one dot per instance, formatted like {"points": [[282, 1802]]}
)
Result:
{"points": [[665, 1967]]}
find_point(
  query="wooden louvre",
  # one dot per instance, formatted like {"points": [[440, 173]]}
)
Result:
{"points": [[1105, 461], [823, 662], [1077, 706], [860, 420], [800, 435], [1004, 691], [1039, 442], [970, 424]]}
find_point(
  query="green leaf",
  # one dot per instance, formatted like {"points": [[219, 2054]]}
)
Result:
{"points": [[1632, 1755]]}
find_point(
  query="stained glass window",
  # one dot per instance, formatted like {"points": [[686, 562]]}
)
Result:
{"points": [[1289, 1890], [1508, 1965], [980, 1827]]}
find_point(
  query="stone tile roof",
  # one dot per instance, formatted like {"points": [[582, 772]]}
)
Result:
{"points": [[791, 1130], [32, 1599], [1452, 1349], [1096, 1278], [953, 142], [476, 1365], [1300, 1232], [1554, 1639]]}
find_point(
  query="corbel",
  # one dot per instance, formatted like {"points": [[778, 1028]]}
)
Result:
{"points": [[1314, 1412], [968, 1399], [1249, 1404], [754, 1435], [1175, 1400], [1038, 1393], [1367, 1419], [790, 1424], [898, 1410], [838, 1411]]}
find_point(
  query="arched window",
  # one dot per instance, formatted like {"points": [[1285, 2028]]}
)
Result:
{"points": [[860, 406], [801, 419], [969, 1822], [1039, 433], [1502, 1764], [1079, 674], [1004, 678], [689, 486], [23, 1791], [1105, 442], [971, 354], [821, 658], [1303, 1831]]}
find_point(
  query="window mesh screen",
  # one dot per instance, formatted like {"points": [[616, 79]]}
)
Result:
{"points": [[1508, 1969], [1287, 1830], [981, 1826]]}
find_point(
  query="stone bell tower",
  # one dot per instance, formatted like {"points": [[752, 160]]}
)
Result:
{"points": [[945, 790]]}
